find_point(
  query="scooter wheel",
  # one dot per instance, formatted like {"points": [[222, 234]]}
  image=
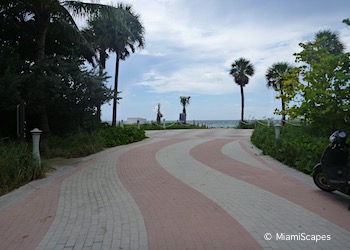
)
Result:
{"points": [[321, 181]]}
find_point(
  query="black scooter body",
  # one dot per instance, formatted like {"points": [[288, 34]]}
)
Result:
{"points": [[325, 182], [333, 172]]}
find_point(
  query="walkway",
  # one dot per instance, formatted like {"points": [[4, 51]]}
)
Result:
{"points": [[178, 189]]}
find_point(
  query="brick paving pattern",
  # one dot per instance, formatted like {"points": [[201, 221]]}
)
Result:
{"points": [[178, 189]]}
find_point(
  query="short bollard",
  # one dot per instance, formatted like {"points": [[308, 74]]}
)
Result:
{"points": [[277, 130], [36, 141]]}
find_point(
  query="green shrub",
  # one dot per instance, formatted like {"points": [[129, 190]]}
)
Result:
{"points": [[112, 137], [297, 147], [246, 125], [78, 144], [17, 166], [84, 143]]}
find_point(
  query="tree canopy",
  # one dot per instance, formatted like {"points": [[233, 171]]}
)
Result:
{"points": [[42, 64], [321, 85], [275, 79]]}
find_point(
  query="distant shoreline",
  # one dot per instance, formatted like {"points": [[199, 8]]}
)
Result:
{"points": [[209, 123]]}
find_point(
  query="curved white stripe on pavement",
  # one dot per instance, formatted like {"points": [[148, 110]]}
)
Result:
{"points": [[235, 151], [258, 211], [95, 211]]}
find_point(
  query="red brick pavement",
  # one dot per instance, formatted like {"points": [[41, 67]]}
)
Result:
{"points": [[26, 221], [176, 215], [275, 181]]}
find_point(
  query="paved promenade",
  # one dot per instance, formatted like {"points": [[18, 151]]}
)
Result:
{"points": [[178, 189]]}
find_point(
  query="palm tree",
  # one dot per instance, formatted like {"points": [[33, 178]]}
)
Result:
{"points": [[43, 13], [122, 43], [330, 40], [184, 100], [240, 70], [274, 77], [116, 33], [102, 31], [325, 39]]}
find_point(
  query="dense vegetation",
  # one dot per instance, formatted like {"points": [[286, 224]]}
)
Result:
{"points": [[53, 73], [317, 93], [18, 167], [43, 68], [297, 146], [44, 58]]}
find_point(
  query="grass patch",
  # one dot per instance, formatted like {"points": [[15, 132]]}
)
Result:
{"points": [[83, 143], [17, 166]]}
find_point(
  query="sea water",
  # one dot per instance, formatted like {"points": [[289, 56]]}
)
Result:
{"points": [[216, 123]]}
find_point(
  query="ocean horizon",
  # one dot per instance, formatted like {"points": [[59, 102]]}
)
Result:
{"points": [[208, 123]]}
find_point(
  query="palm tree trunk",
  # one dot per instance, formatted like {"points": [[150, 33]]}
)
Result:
{"points": [[115, 93], [40, 56], [184, 111], [40, 42], [242, 98], [102, 66], [283, 109]]}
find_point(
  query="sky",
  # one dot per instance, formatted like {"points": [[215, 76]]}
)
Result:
{"points": [[191, 44]]}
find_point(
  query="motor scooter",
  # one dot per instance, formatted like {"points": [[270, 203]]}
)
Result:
{"points": [[333, 172]]}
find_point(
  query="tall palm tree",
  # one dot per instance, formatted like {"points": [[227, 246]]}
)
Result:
{"points": [[44, 12], [102, 31], [274, 77], [241, 69], [123, 43], [116, 33], [184, 100]]}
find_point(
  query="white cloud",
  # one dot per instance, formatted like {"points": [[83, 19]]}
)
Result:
{"points": [[209, 80], [190, 45]]}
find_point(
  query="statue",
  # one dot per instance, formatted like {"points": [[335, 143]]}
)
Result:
{"points": [[159, 114]]}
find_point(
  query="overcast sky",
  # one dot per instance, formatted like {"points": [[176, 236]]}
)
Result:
{"points": [[191, 44]]}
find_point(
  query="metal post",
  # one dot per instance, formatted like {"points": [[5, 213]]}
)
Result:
{"points": [[277, 130], [36, 141]]}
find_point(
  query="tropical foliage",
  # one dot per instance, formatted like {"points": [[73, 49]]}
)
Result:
{"points": [[17, 166], [297, 147], [275, 79], [16, 161], [119, 32], [319, 89], [42, 62], [241, 69]]}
